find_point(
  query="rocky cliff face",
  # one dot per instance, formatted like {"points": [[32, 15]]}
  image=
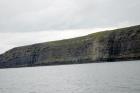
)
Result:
{"points": [[115, 45]]}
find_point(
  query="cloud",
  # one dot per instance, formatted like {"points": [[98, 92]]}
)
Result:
{"points": [[24, 22], [40, 15]]}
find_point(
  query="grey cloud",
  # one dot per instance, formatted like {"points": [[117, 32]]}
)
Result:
{"points": [[38, 15]]}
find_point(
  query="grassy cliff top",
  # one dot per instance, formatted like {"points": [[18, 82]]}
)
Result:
{"points": [[78, 40]]}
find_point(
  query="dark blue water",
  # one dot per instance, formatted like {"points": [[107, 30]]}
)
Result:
{"points": [[118, 77]]}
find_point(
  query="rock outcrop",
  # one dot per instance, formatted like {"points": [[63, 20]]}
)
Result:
{"points": [[114, 45]]}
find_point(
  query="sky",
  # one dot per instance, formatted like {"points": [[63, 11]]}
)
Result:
{"points": [[24, 22]]}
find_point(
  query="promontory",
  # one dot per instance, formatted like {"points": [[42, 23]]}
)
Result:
{"points": [[107, 46]]}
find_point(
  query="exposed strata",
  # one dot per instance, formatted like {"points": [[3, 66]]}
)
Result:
{"points": [[113, 45]]}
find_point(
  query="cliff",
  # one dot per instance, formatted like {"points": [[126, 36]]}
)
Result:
{"points": [[113, 45]]}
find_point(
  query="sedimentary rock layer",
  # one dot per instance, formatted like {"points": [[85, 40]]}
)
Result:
{"points": [[113, 45]]}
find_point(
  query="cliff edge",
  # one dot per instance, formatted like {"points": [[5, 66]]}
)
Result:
{"points": [[113, 45]]}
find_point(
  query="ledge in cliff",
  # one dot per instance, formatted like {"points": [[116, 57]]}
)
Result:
{"points": [[113, 45]]}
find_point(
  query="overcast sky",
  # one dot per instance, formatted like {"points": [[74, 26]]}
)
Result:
{"points": [[24, 22]]}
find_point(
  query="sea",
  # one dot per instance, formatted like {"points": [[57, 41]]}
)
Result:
{"points": [[108, 77]]}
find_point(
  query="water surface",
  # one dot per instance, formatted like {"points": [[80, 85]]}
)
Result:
{"points": [[116, 77]]}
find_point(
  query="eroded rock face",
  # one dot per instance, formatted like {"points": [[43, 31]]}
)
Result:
{"points": [[119, 44]]}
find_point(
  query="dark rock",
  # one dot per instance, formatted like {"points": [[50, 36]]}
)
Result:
{"points": [[115, 45]]}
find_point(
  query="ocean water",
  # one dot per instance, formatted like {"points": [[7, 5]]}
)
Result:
{"points": [[115, 77]]}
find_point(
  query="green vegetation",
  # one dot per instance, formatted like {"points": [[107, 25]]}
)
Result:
{"points": [[113, 45]]}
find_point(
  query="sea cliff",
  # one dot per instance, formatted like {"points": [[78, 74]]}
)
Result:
{"points": [[113, 45]]}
